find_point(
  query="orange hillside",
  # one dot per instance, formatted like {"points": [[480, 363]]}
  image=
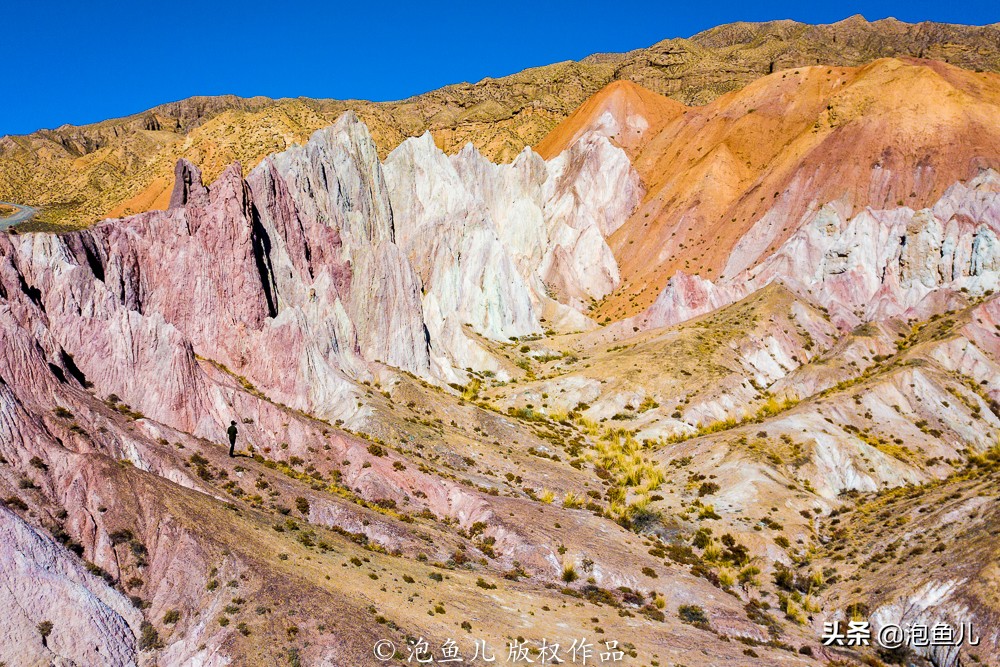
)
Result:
{"points": [[636, 114], [896, 131]]}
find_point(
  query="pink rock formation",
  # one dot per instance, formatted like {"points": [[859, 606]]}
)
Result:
{"points": [[91, 623], [875, 265]]}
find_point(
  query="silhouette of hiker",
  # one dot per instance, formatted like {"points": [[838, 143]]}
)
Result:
{"points": [[232, 431]]}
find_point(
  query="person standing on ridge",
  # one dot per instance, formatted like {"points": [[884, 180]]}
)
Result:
{"points": [[232, 431]]}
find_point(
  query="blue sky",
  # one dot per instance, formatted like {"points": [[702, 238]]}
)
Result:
{"points": [[80, 62]]}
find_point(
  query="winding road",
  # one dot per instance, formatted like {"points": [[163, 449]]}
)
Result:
{"points": [[21, 214]]}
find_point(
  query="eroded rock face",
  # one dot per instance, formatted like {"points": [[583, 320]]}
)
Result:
{"points": [[334, 187], [91, 623], [429, 244], [322, 262], [502, 247], [875, 265], [882, 263], [188, 185]]}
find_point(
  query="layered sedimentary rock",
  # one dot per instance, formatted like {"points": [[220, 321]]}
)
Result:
{"points": [[437, 243], [503, 248], [322, 262], [875, 265], [89, 623], [728, 183]]}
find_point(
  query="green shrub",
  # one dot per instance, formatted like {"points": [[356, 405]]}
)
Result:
{"points": [[149, 638], [707, 489], [692, 614]]}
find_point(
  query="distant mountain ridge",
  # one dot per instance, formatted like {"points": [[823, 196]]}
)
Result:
{"points": [[120, 166]]}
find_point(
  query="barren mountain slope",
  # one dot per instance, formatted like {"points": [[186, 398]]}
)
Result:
{"points": [[728, 183], [625, 112], [82, 174], [728, 57]]}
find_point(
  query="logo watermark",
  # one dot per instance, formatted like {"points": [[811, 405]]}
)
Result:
{"points": [[578, 652], [892, 635]]}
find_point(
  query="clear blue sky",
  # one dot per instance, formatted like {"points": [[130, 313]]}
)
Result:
{"points": [[83, 61]]}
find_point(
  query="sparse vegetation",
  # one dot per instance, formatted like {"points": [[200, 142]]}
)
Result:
{"points": [[44, 630], [693, 615], [149, 638]]}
